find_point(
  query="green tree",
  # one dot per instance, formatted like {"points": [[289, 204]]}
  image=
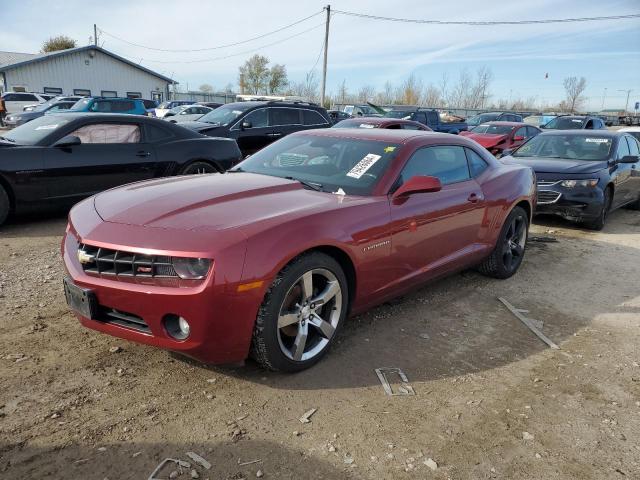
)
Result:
{"points": [[277, 78], [255, 74], [61, 42]]}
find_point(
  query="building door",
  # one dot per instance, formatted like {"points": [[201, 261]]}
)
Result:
{"points": [[157, 96]]}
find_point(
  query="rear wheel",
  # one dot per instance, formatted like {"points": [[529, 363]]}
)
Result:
{"points": [[5, 206], [507, 256], [196, 168], [301, 314], [598, 223]]}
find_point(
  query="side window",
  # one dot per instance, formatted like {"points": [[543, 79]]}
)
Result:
{"points": [[589, 125], [103, 107], [122, 106], [284, 116], [310, 117], [10, 97], [623, 149], [408, 126], [521, 132], [448, 163], [27, 98], [532, 132], [477, 164], [155, 133], [633, 146], [257, 118], [394, 126], [108, 133]]}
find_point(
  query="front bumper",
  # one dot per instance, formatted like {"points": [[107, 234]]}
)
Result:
{"points": [[576, 203], [221, 319]]}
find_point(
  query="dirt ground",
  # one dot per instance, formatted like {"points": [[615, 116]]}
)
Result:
{"points": [[492, 401]]}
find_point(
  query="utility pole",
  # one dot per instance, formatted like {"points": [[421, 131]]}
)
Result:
{"points": [[95, 35], [324, 64], [604, 95], [627, 102]]}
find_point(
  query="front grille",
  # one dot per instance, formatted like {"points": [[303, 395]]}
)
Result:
{"points": [[124, 319], [546, 183], [104, 261], [547, 196]]}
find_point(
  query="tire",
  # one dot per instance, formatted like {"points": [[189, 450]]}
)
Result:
{"points": [[196, 168], [281, 347], [5, 205], [506, 257], [598, 223]]}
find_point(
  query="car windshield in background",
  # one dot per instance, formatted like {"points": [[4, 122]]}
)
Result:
{"points": [[42, 107], [223, 115], [80, 105], [484, 117], [492, 129], [565, 123], [570, 147], [333, 164], [355, 123], [32, 132], [399, 114]]}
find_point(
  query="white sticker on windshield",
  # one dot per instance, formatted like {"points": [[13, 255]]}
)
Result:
{"points": [[237, 112], [47, 127], [574, 120], [596, 140], [363, 165], [367, 125]]}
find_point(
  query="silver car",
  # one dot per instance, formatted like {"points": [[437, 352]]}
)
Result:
{"points": [[186, 113]]}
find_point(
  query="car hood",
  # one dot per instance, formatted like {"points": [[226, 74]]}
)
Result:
{"points": [[557, 165], [217, 201], [485, 139], [199, 126]]}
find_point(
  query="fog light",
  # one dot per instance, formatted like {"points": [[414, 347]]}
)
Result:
{"points": [[177, 327]]}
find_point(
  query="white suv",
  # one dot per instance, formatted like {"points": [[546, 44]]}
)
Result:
{"points": [[14, 102]]}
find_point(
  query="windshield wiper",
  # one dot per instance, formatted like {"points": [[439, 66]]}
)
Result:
{"points": [[314, 186]]}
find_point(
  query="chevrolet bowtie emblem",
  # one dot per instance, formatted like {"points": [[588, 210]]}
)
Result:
{"points": [[84, 257]]}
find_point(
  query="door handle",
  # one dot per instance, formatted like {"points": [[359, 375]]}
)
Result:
{"points": [[473, 198], [143, 154]]}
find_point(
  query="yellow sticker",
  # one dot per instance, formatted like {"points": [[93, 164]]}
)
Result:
{"points": [[389, 149]]}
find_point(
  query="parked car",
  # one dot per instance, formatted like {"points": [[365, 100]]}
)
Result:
{"points": [[164, 107], [270, 258], [493, 117], [428, 117], [583, 176], [186, 113], [498, 136], [256, 124], [538, 120], [150, 107], [17, 119], [56, 160], [55, 99], [337, 115], [15, 101], [378, 122], [634, 131], [128, 106], [575, 122], [361, 111]]}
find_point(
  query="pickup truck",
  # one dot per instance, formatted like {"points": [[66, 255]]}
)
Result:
{"points": [[430, 118]]}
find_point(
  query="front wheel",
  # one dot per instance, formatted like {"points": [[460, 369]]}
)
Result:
{"points": [[301, 314], [599, 222], [507, 256]]}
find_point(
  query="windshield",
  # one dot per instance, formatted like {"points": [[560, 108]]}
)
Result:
{"points": [[353, 165], [399, 114], [570, 147], [565, 123], [224, 115], [492, 129], [43, 106], [32, 132], [80, 105], [178, 109], [483, 117]]}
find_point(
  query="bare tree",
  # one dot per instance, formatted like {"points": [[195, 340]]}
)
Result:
{"points": [[343, 92], [277, 78], [311, 85], [574, 87], [61, 42], [366, 93], [444, 84], [410, 90], [480, 92], [254, 74], [431, 97], [205, 88]]}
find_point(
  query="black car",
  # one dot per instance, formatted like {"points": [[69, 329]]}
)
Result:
{"points": [[255, 125], [337, 115], [17, 119], [583, 175], [56, 160], [493, 117], [575, 122]]}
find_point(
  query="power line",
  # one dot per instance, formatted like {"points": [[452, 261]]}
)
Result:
{"points": [[484, 23], [211, 48], [234, 54]]}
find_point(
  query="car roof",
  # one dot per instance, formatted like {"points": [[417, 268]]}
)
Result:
{"points": [[376, 134]]}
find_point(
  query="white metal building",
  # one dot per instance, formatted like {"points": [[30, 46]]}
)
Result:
{"points": [[85, 71]]}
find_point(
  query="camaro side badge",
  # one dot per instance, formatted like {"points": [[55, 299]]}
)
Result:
{"points": [[84, 257], [376, 245]]}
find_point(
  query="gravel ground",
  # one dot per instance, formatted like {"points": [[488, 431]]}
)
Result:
{"points": [[492, 401]]}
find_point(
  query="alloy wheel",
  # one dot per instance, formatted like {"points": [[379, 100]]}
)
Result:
{"points": [[514, 242], [309, 315]]}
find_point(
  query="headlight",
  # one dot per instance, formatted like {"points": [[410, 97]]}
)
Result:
{"points": [[579, 183], [191, 268], [14, 119]]}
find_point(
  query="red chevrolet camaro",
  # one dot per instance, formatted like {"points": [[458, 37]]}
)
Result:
{"points": [[270, 258], [499, 136]]}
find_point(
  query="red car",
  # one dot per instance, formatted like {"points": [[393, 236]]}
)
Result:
{"points": [[270, 258], [382, 122], [499, 136]]}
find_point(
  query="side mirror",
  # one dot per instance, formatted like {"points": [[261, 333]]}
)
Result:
{"points": [[518, 138], [246, 125], [506, 152], [68, 141], [418, 184], [629, 159]]}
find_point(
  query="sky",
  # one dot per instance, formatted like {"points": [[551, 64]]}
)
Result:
{"points": [[361, 51]]}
